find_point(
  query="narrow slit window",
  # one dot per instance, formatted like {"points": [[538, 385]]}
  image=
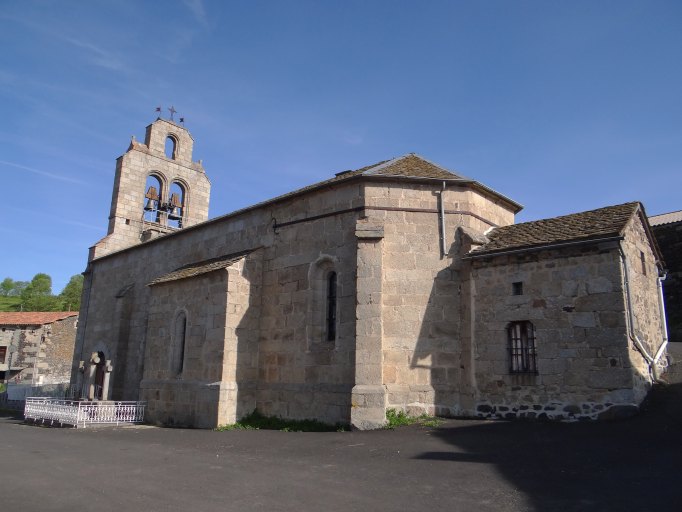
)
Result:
{"points": [[642, 258], [331, 306], [179, 334]]}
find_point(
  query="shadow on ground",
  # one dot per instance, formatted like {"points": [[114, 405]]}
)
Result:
{"points": [[618, 465]]}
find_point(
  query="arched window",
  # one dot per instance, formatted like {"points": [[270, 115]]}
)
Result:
{"points": [[178, 343], [331, 307], [152, 198], [521, 345], [176, 206], [171, 148]]}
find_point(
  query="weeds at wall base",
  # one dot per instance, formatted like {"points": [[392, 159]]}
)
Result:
{"points": [[395, 418], [257, 421]]}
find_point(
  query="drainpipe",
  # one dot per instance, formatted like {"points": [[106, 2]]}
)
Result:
{"points": [[651, 360], [661, 309], [441, 220]]}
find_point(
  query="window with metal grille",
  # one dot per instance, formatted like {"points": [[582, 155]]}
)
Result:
{"points": [[3, 354], [331, 306], [522, 356]]}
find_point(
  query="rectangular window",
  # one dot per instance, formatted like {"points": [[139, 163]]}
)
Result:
{"points": [[3, 354], [521, 343], [517, 288]]}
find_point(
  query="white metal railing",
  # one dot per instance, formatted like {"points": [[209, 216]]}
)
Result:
{"points": [[82, 413]]}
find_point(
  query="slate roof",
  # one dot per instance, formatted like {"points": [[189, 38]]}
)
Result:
{"points": [[406, 166], [411, 166], [201, 267], [590, 225], [34, 317], [666, 218]]}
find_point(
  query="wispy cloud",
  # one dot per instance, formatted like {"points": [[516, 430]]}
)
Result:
{"points": [[101, 57], [98, 55], [198, 10], [27, 212], [51, 175], [353, 139], [83, 225]]}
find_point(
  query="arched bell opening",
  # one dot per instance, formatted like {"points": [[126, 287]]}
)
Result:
{"points": [[176, 205], [171, 147], [153, 199]]}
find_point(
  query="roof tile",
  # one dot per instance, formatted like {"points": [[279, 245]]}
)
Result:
{"points": [[593, 224], [34, 317], [201, 267]]}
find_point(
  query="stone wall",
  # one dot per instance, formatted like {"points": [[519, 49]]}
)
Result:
{"points": [[669, 237], [43, 352], [217, 381], [587, 367], [574, 299], [298, 376], [644, 295], [421, 349]]}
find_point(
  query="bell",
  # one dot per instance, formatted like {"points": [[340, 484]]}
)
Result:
{"points": [[150, 206], [174, 213], [152, 193], [175, 200]]}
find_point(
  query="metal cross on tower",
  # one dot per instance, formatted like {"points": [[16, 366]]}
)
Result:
{"points": [[172, 111]]}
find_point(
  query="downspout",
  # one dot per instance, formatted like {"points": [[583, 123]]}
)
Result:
{"points": [[651, 361], [441, 221], [661, 309]]}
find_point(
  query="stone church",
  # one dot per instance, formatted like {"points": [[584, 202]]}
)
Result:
{"points": [[398, 285]]}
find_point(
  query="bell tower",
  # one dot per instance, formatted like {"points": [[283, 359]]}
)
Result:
{"points": [[158, 189]]}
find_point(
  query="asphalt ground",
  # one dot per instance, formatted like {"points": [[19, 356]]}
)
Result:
{"points": [[462, 465]]}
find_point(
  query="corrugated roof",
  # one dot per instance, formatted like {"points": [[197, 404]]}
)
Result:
{"points": [[593, 224], [666, 218], [201, 267], [34, 317]]}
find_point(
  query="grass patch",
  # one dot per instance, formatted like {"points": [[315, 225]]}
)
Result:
{"points": [[397, 418], [257, 421], [10, 303]]}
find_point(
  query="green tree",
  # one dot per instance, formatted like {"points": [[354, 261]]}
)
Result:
{"points": [[19, 287], [11, 288], [6, 286], [37, 296], [70, 298]]}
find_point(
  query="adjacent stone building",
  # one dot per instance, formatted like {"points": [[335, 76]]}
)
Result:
{"points": [[37, 347], [397, 285], [668, 231]]}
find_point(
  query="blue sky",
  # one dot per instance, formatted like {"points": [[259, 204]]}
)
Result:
{"points": [[563, 106]]}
